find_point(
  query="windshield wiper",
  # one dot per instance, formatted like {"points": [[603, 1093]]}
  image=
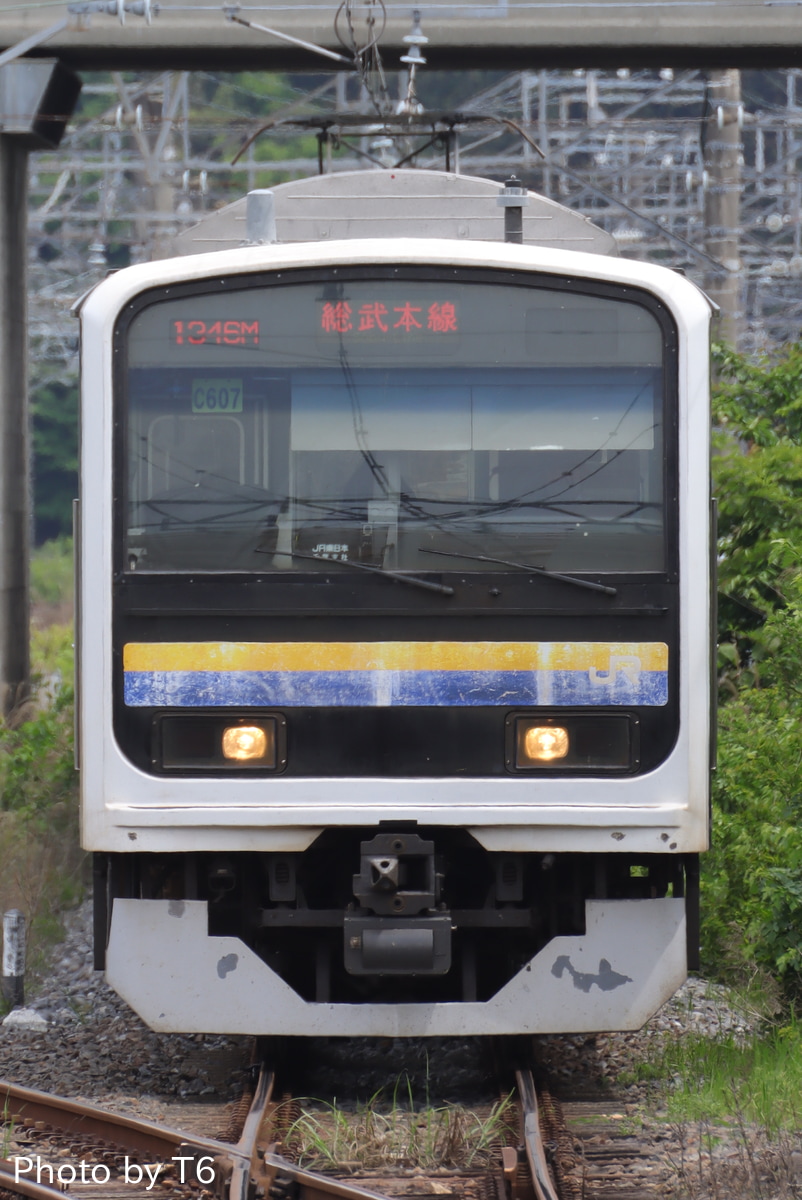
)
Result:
{"points": [[505, 562], [412, 580]]}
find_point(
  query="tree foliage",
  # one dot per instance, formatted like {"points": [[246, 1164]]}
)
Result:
{"points": [[752, 878], [757, 468], [54, 413]]}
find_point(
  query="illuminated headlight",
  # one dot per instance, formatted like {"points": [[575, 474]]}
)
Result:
{"points": [[246, 743], [543, 743], [575, 742], [221, 741]]}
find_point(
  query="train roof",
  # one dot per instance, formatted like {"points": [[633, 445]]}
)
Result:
{"points": [[397, 203]]}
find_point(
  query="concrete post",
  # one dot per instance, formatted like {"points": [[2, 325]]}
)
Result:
{"points": [[722, 215], [12, 981]]}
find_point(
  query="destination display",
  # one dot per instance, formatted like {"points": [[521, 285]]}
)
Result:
{"points": [[374, 316], [215, 333], [278, 324]]}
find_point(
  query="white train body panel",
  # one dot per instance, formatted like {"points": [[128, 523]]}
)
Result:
{"points": [[165, 964]]}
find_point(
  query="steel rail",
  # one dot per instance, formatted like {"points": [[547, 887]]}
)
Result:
{"points": [[237, 1167], [285, 1181], [9, 1182], [533, 1142], [282, 1180], [246, 1164], [157, 1143], [25, 1105]]}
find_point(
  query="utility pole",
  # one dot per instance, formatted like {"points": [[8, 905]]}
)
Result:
{"points": [[723, 187], [37, 98], [14, 481]]}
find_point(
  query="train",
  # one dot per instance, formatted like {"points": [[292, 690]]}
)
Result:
{"points": [[394, 622]]}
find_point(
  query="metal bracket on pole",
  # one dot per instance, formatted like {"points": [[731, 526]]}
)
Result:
{"points": [[81, 11], [30, 43], [231, 15]]}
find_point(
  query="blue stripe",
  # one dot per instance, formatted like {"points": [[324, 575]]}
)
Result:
{"points": [[337, 689]]}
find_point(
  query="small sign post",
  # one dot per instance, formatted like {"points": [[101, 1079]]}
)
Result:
{"points": [[13, 977]]}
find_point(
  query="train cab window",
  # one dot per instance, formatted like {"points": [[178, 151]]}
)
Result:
{"points": [[390, 420]]}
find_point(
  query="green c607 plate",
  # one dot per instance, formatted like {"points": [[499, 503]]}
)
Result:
{"points": [[217, 396]]}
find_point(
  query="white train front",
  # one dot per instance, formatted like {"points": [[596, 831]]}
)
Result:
{"points": [[394, 631]]}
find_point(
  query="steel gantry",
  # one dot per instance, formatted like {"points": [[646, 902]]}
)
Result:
{"points": [[680, 167]]}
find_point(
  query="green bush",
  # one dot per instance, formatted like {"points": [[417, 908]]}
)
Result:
{"points": [[42, 868], [757, 474], [52, 580], [752, 877], [54, 412], [36, 759]]}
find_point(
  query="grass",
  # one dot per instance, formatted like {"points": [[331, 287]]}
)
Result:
{"points": [[725, 1080], [41, 864], [7, 1124], [732, 1100], [382, 1134], [52, 581], [733, 1076]]}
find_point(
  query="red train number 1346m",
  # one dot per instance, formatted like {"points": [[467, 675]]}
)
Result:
{"points": [[216, 333]]}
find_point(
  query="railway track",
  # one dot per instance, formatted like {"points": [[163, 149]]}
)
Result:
{"points": [[64, 1148]]}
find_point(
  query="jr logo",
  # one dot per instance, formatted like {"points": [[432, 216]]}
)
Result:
{"points": [[628, 665]]}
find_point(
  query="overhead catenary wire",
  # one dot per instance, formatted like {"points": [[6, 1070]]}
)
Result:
{"points": [[612, 159]]}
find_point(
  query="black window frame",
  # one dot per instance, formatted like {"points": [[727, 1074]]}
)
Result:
{"points": [[342, 584]]}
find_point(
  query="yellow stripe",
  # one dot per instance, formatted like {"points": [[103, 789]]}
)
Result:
{"points": [[390, 656]]}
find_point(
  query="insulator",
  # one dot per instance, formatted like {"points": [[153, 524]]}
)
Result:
{"points": [[413, 57], [140, 8], [417, 37]]}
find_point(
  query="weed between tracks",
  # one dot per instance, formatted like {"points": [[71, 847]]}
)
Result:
{"points": [[394, 1134]]}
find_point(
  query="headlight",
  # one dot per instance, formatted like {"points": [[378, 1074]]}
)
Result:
{"points": [[220, 741], [575, 742], [246, 743], [543, 743]]}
